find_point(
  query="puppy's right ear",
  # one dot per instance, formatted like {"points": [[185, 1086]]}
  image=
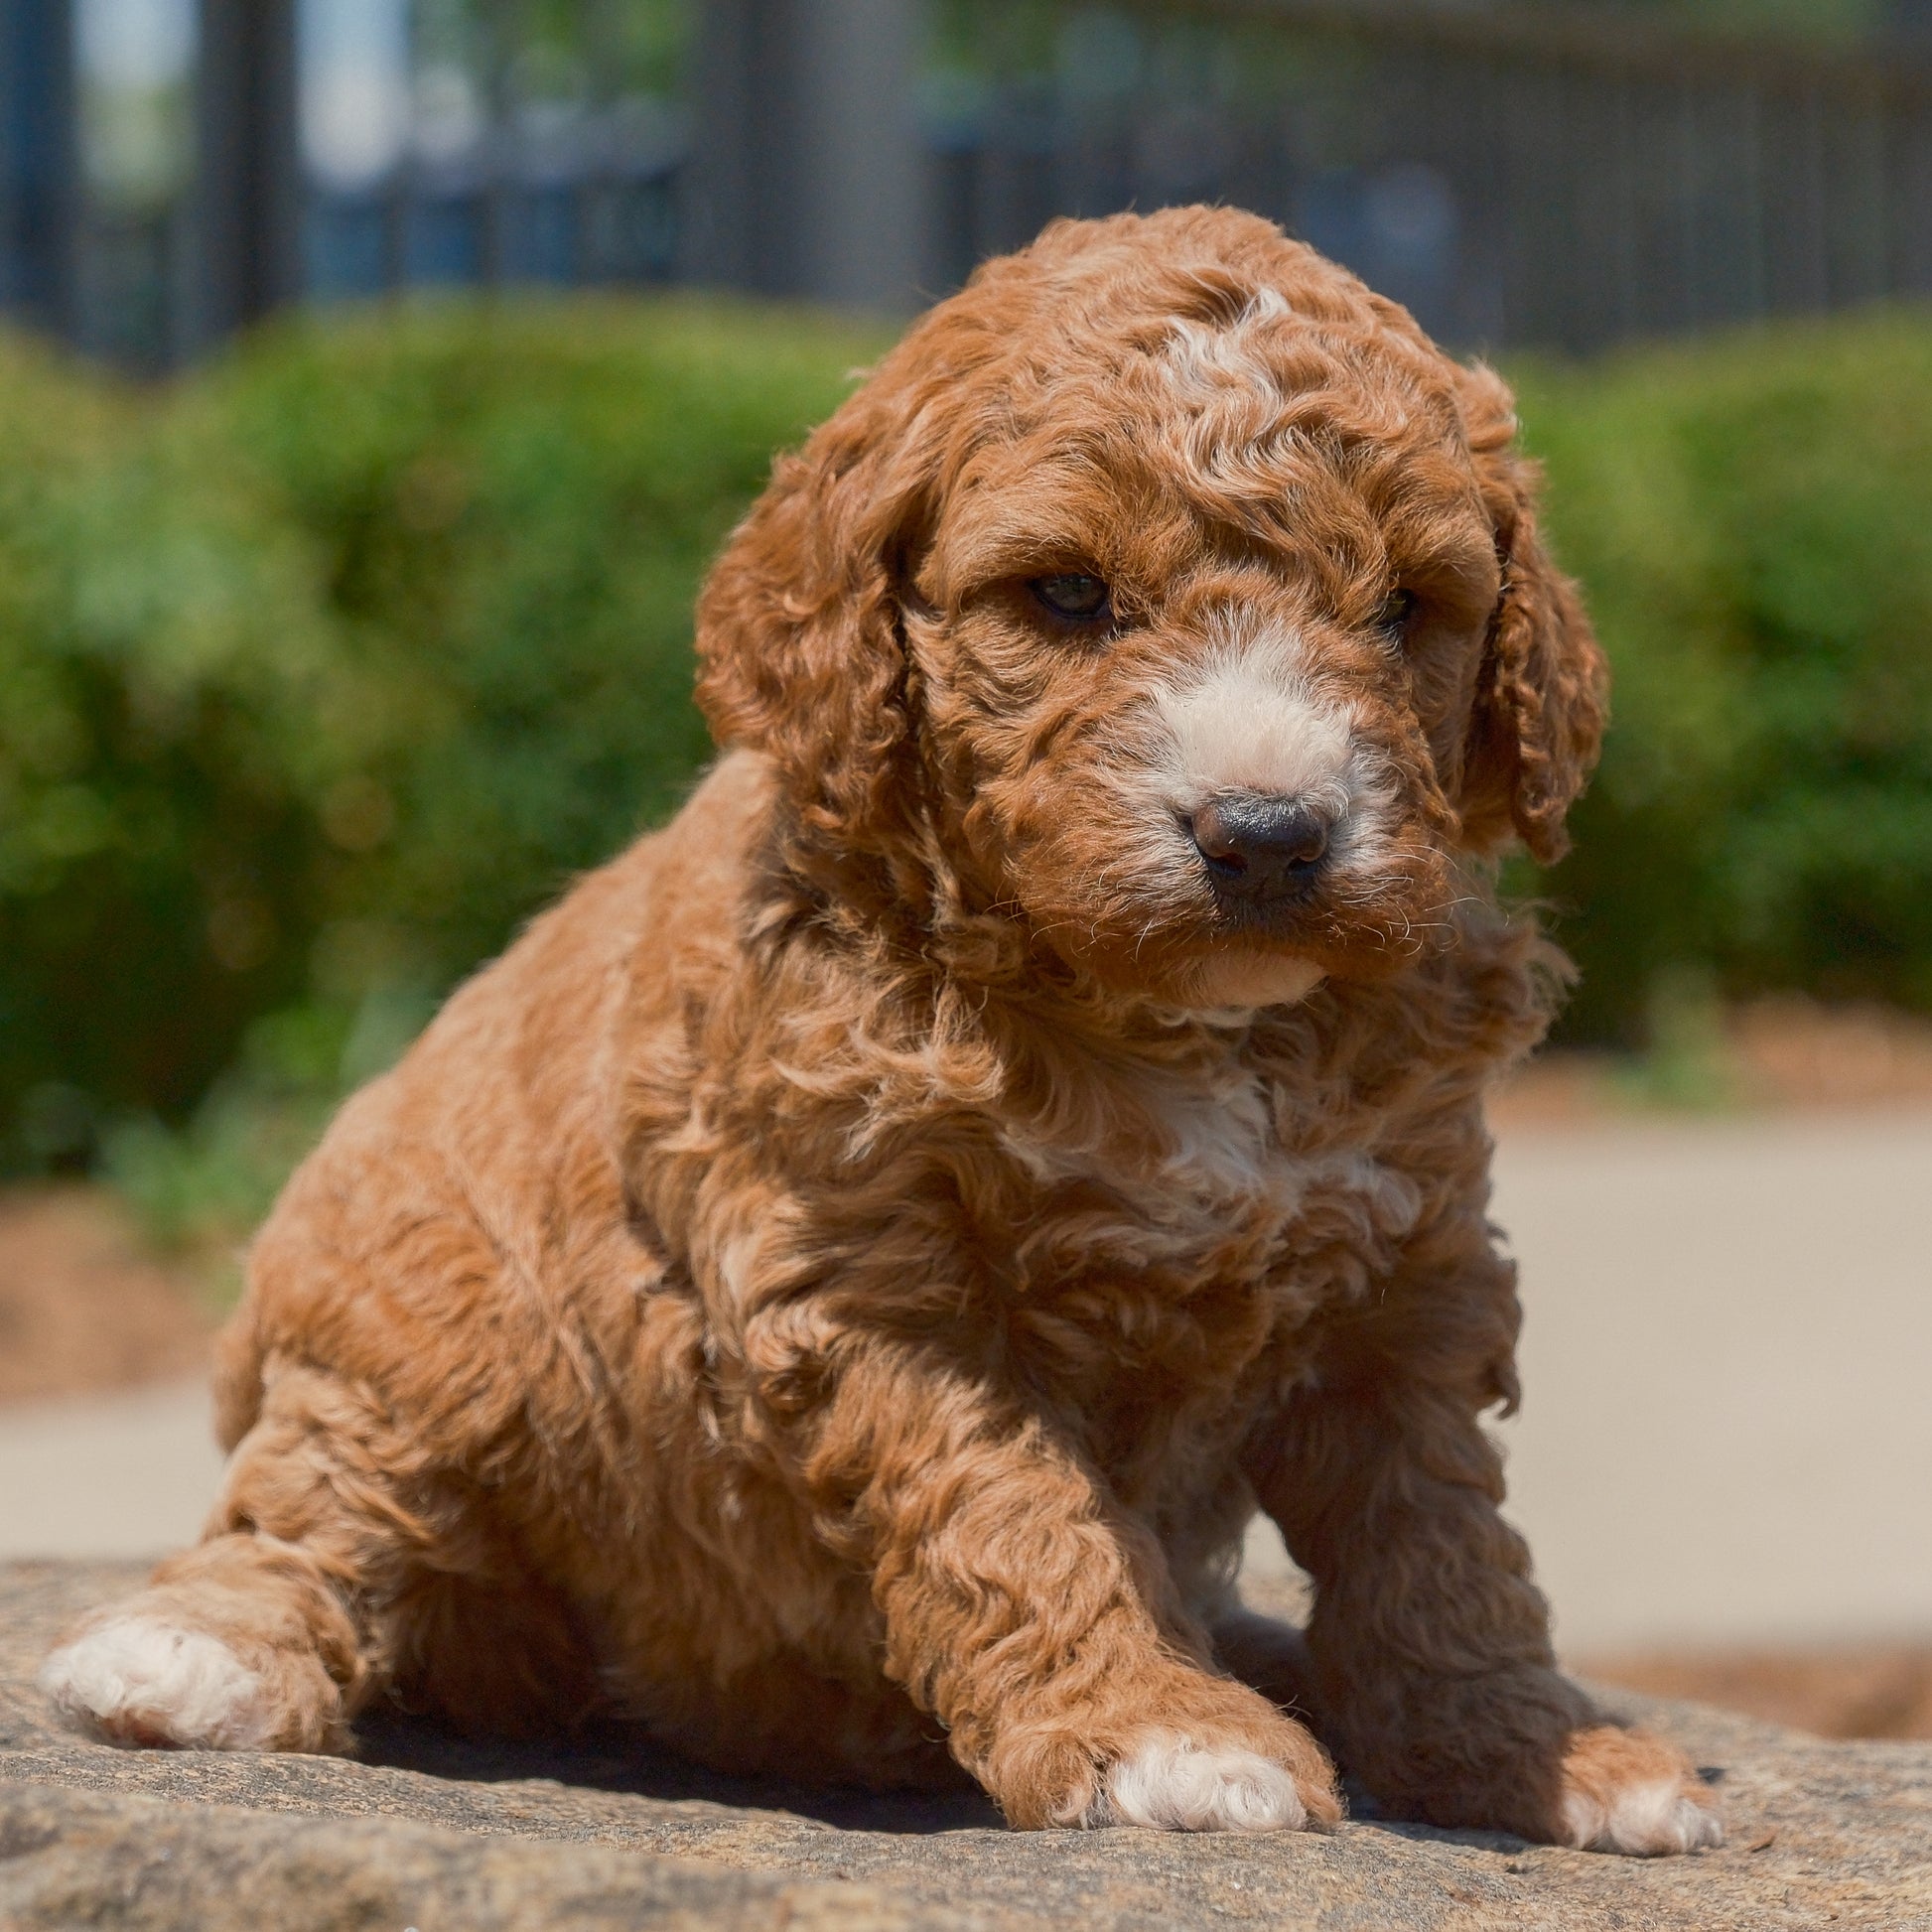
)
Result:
{"points": [[801, 641]]}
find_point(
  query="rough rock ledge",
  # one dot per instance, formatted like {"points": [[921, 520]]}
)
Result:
{"points": [[430, 1833]]}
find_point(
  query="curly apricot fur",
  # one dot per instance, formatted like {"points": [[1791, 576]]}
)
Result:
{"points": [[837, 1288]]}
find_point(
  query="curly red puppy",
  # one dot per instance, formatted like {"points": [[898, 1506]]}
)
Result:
{"points": [[837, 1288]]}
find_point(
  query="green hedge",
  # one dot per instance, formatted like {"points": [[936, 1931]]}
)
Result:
{"points": [[319, 672], [1752, 520], [154, 630]]}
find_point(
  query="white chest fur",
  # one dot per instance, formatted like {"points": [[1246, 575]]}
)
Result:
{"points": [[1185, 1152]]}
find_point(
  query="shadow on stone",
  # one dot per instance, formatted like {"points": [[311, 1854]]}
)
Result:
{"points": [[619, 1759]]}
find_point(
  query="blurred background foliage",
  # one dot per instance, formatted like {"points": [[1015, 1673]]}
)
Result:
{"points": [[1749, 516], [324, 668]]}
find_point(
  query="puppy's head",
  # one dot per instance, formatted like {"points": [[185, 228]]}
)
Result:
{"points": [[1177, 595]]}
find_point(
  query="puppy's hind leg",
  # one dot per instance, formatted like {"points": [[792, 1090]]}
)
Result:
{"points": [[239, 1644], [1429, 1644], [267, 1636]]}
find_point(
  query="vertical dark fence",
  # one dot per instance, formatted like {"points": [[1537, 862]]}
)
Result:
{"points": [[558, 161], [1515, 177], [247, 195], [39, 161], [806, 177], [1515, 174]]}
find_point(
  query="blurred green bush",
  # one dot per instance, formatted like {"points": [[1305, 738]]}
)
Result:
{"points": [[1751, 517], [322, 670], [321, 673]]}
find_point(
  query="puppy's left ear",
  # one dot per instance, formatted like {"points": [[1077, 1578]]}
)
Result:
{"points": [[1542, 690]]}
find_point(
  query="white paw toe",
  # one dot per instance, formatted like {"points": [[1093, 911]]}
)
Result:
{"points": [[1172, 1784], [1651, 1819], [134, 1680]]}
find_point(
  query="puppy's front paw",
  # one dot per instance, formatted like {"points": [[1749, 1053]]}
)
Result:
{"points": [[1210, 1756], [1627, 1791], [1169, 1783], [142, 1680], [134, 1680]]}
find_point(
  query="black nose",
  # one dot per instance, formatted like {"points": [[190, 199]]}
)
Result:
{"points": [[1260, 848]]}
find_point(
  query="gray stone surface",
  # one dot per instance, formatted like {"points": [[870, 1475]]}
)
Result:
{"points": [[428, 1832]]}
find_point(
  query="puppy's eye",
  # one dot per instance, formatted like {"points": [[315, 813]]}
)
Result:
{"points": [[1073, 595], [1393, 617]]}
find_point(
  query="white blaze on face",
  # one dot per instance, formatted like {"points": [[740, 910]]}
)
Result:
{"points": [[1246, 721]]}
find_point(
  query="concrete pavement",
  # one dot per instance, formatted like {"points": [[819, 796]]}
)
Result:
{"points": [[1726, 1425], [117, 1475], [1726, 1434]]}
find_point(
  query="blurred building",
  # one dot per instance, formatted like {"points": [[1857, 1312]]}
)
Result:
{"points": [[1548, 174]]}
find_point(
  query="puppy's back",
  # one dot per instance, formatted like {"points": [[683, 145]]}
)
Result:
{"points": [[427, 1246]]}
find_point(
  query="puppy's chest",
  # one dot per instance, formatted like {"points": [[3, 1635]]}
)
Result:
{"points": [[1200, 1172]]}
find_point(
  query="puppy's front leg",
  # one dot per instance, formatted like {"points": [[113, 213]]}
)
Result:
{"points": [[1430, 1643], [1028, 1612]]}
